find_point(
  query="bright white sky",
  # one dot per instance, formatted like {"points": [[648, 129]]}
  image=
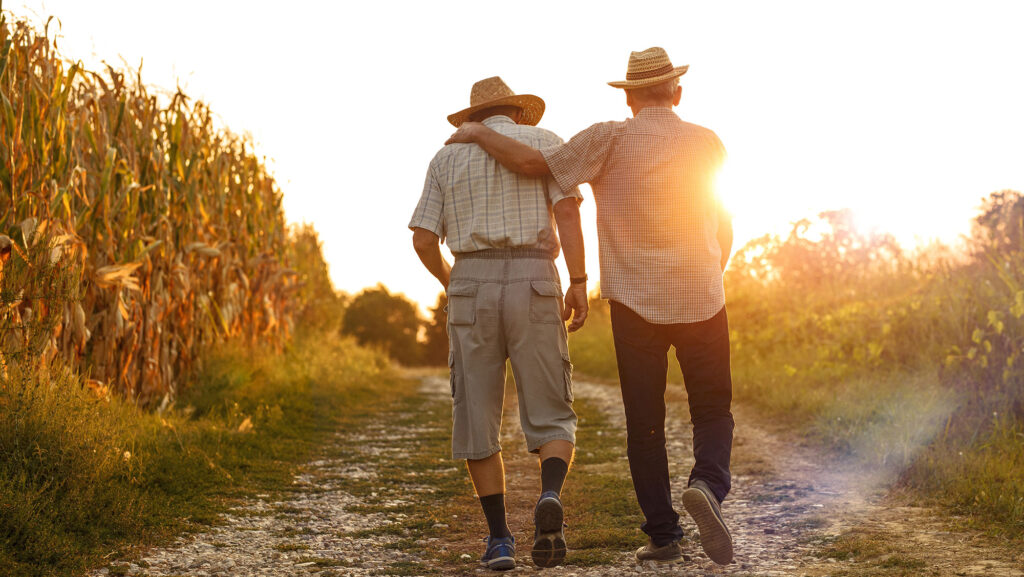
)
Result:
{"points": [[907, 112]]}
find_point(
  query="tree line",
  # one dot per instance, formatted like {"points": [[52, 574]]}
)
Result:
{"points": [[390, 322]]}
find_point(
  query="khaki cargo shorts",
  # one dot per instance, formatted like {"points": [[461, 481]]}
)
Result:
{"points": [[507, 304]]}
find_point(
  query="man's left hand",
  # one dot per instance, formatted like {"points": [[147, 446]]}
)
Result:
{"points": [[576, 306], [465, 133]]}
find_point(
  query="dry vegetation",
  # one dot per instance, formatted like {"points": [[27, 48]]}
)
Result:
{"points": [[135, 232]]}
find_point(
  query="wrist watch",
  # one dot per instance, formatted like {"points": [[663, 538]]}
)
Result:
{"points": [[578, 279]]}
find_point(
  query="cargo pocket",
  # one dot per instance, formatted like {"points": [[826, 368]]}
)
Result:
{"points": [[462, 303], [567, 369], [545, 302]]}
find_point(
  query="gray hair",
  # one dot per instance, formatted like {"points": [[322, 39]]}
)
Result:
{"points": [[656, 92]]}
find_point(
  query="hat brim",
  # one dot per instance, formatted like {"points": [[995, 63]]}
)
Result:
{"points": [[676, 72], [532, 107]]}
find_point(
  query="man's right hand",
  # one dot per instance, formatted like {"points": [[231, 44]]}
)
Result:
{"points": [[576, 306], [465, 134]]}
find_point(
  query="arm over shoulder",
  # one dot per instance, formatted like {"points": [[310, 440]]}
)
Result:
{"points": [[555, 192], [581, 159]]}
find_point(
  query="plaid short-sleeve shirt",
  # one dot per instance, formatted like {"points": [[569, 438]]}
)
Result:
{"points": [[473, 203], [657, 212]]}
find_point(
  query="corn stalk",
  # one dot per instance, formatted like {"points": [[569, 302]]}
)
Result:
{"points": [[170, 227]]}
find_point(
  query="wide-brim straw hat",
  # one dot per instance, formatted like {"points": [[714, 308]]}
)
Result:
{"points": [[493, 91], [650, 67]]}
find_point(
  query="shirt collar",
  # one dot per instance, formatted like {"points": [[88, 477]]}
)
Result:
{"points": [[655, 112], [497, 119]]}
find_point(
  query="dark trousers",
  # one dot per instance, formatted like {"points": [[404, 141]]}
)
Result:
{"points": [[641, 349]]}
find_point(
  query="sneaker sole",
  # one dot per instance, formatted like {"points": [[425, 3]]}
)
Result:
{"points": [[549, 545], [672, 561], [714, 536], [548, 550], [502, 564]]}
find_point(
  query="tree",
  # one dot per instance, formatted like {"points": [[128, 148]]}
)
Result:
{"points": [[375, 317], [1000, 226], [321, 307], [435, 350]]}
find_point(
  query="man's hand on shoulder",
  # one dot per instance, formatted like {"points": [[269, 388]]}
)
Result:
{"points": [[466, 133], [576, 306]]}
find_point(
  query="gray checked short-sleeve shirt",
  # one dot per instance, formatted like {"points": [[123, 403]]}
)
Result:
{"points": [[473, 203]]}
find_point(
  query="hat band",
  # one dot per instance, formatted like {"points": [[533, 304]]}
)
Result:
{"points": [[650, 73]]}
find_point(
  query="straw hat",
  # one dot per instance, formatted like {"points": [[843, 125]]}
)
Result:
{"points": [[494, 92], [652, 66]]}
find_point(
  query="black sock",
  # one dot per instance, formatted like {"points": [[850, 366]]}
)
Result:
{"points": [[552, 474], [494, 510]]}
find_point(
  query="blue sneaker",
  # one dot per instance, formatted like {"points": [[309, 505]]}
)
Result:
{"points": [[500, 554], [548, 540]]}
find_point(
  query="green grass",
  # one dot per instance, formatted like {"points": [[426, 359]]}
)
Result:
{"points": [[980, 480], [83, 478], [605, 515], [874, 556]]}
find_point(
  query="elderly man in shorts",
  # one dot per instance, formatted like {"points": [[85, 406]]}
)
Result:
{"points": [[505, 302]]}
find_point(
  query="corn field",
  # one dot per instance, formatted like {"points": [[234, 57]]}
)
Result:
{"points": [[135, 232]]}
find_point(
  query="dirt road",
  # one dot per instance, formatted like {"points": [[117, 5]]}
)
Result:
{"points": [[792, 511]]}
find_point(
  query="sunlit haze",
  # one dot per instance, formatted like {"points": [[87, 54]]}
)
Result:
{"points": [[909, 113]]}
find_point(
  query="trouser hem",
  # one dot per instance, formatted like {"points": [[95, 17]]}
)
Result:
{"points": [[535, 446], [475, 456]]}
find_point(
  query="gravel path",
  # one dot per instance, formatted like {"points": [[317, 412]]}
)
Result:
{"points": [[318, 530], [787, 504]]}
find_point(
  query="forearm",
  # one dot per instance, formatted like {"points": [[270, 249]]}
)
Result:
{"points": [[570, 234], [428, 248], [511, 153], [435, 263]]}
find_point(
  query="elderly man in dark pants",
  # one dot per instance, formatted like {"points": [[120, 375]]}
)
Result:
{"points": [[664, 241]]}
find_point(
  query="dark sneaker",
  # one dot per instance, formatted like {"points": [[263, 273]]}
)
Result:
{"points": [[548, 540], [500, 554], [702, 506], [671, 553]]}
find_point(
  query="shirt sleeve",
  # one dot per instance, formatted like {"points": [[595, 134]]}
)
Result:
{"points": [[554, 190], [582, 158], [429, 212]]}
